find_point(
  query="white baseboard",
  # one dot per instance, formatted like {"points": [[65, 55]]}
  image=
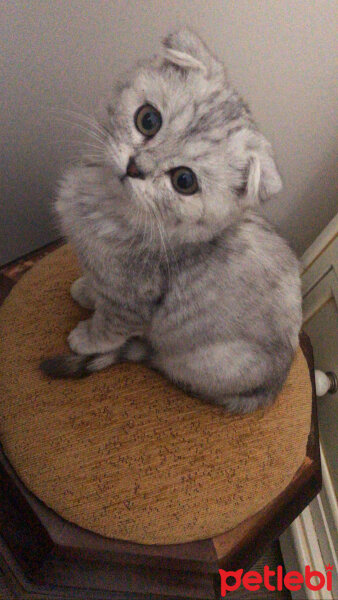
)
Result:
{"points": [[312, 539]]}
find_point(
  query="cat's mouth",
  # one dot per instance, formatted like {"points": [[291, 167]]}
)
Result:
{"points": [[128, 186], [133, 171]]}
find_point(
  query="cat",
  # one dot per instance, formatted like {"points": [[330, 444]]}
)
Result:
{"points": [[179, 267]]}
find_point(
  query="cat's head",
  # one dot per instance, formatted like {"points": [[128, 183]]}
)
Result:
{"points": [[184, 144]]}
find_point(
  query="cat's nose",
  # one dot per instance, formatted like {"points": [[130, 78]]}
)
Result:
{"points": [[133, 170]]}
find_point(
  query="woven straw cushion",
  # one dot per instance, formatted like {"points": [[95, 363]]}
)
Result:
{"points": [[123, 452]]}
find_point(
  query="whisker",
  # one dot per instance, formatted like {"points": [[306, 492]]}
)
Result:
{"points": [[82, 128], [86, 118]]}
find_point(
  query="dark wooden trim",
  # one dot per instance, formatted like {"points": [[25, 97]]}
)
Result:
{"points": [[46, 249], [128, 583], [312, 450], [197, 556], [20, 528], [6, 285]]}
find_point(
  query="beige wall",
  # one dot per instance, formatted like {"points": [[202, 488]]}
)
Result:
{"points": [[63, 54]]}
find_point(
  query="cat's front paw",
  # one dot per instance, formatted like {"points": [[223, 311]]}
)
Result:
{"points": [[85, 339], [80, 292], [79, 339]]}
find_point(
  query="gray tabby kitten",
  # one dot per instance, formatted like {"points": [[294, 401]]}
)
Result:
{"points": [[179, 267]]}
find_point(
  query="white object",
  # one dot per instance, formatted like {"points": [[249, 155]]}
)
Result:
{"points": [[325, 383]]}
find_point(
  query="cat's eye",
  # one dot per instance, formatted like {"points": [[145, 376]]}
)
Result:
{"points": [[184, 181], [148, 120]]}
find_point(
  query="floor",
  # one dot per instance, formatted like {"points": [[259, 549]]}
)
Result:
{"points": [[11, 273]]}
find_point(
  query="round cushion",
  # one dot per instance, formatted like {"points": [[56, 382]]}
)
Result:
{"points": [[123, 452]]}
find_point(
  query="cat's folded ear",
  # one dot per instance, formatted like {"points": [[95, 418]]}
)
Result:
{"points": [[186, 50], [253, 170]]}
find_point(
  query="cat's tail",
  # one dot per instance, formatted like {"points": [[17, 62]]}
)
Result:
{"points": [[80, 365], [74, 365]]}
